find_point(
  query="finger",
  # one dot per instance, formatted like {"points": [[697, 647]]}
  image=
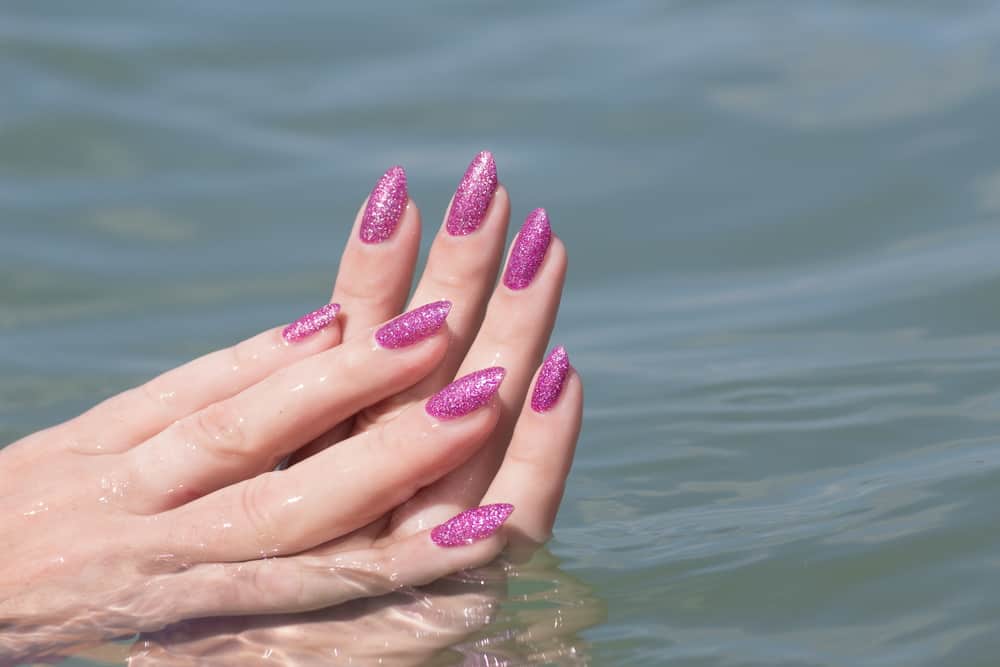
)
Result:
{"points": [[516, 329], [306, 582], [376, 268], [248, 433], [124, 420], [534, 471], [462, 268], [462, 265], [341, 488]]}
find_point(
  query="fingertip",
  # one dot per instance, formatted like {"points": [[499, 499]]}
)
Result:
{"points": [[471, 525], [536, 256], [424, 561], [549, 380], [495, 219], [324, 319], [467, 394]]}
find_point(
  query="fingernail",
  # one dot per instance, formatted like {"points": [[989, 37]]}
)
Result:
{"points": [[413, 326], [471, 525], [473, 195], [309, 324], [529, 250], [385, 206], [550, 380], [466, 394]]}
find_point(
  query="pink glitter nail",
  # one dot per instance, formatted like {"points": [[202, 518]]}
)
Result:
{"points": [[413, 326], [529, 250], [473, 195], [385, 206], [310, 323], [471, 525], [465, 394], [550, 380]]}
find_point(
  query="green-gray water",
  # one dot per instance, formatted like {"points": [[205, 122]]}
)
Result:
{"points": [[782, 219]]}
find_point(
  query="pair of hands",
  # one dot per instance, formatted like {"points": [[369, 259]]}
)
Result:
{"points": [[163, 503]]}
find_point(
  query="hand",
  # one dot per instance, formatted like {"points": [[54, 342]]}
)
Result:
{"points": [[403, 628], [163, 489], [446, 619], [507, 326], [142, 492], [534, 440]]}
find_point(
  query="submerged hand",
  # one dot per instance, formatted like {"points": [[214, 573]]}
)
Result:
{"points": [[465, 616]]}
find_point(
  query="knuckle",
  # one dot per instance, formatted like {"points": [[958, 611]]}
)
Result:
{"points": [[501, 337], [382, 568], [369, 574], [381, 413], [528, 459], [219, 428], [412, 467], [354, 362], [380, 446], [148, 394], [472, 271], [257, 505], [369, 291], [452, 281], [241, 356]]}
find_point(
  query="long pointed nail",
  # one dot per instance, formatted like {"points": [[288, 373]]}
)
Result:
{"points": [[529, 250], [310, 323], [465, 394], [550, 380], [473, 195], [413, 326], [385, 206], [471, 525]]}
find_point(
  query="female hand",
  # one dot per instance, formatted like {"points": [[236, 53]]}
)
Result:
{"points": [[525, 458], [133, 496], [162, 489], [504, 324]]}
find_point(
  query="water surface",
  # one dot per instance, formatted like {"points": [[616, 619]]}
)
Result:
{"points": [[782, 221]]}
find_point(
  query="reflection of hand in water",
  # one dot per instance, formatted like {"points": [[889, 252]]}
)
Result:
{"points": [[403, 628], [467, 619], [158, 504]]}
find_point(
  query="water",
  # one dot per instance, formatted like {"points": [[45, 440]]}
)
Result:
{"points": [[782, 221]]}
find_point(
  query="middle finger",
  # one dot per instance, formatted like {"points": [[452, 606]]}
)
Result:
{"points": [[462, 268], [514, 334]]}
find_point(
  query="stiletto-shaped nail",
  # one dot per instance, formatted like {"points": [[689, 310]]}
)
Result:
{"points": [[529, 250], [473, 195], [471, 525], [310, 323], [465, 394], [385, 206], [550, 380], [413, 326]]}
